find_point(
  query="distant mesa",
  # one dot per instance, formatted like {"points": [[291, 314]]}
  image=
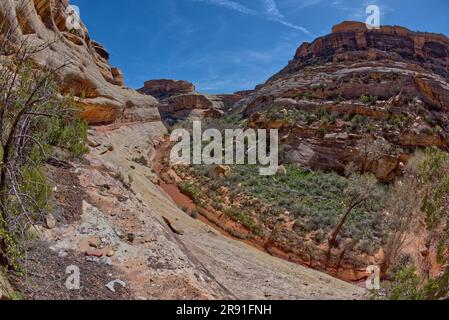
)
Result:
{"points": [[179, 100], [165, 88]]}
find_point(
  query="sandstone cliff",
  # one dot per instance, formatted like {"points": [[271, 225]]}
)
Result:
{"points": [[98, 87], [355, 83], [180, 101], [110, 217]]}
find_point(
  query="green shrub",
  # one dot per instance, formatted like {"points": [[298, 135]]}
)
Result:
{"points": [[189, 189], [370, 100], [404, 285], [304, 95], [322, 131], [240, 216], [36, 186], [69, 135], [141, 160]]}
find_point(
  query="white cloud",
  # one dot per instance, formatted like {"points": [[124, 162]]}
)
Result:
{"points": [[273, 13], [270, 12], [232, 5]]}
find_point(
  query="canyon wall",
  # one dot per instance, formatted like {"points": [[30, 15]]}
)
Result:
{"points": [[390, 83], [98, 88]]}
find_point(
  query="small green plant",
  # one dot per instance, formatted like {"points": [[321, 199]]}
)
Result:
{"points": [[311, 118], [190, 190], [369, 100], [141, 160], [69, 135], [240, 216], [322, 131], [405, 285], [304, 95]]}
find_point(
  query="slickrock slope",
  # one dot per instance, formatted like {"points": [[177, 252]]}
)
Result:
{"points": [[186, 259], [112, 214], [354, 83], [180, 100], [98, 87]]}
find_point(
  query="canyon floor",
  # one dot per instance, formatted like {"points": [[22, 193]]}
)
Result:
{"points": [[115, 223]]}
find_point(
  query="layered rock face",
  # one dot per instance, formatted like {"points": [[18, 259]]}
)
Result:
{"points": [[163, 89], [355, 83], [98, 88], [180, 100]]}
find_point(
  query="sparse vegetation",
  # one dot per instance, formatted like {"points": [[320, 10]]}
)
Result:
{"points": [[369, 100], [314, 200], [35, 122], [141, 160]]}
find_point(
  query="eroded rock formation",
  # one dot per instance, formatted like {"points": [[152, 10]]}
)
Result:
{"points": [[164, 88], [391, 83], [98, 87], [180, 100]]}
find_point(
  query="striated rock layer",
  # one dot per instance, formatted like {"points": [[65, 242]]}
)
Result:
{"points": [[164, 88], [180, 100], [355, 83], [99, 88]]}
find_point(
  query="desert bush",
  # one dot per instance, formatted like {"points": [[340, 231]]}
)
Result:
{"points": [[141, 160], [366, 99], [405, 284], [69, 135], [34, 121], [190, 190], [241, 216]]}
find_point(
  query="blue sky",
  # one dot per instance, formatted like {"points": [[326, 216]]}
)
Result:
{"points": [[224, 46]]}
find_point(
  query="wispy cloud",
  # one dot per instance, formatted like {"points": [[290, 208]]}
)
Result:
{"points": [[273, 13], [232, 5], [245, 67], [270, 11]]}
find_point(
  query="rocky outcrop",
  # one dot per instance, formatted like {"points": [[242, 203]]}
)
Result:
{"points": [[163, 89], [428, 50], [391, 83], [230, 100], [179, 100], [98, 87]]}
